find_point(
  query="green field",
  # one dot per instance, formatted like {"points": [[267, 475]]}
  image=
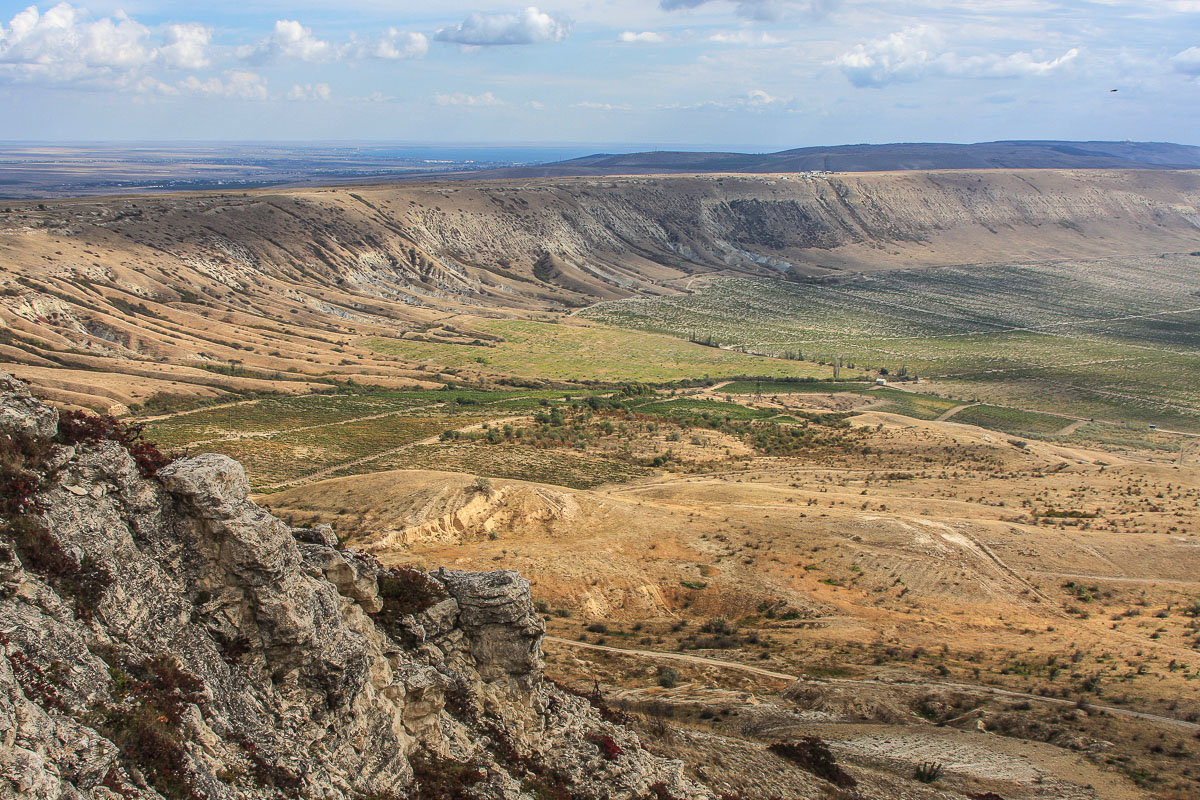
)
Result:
{"points": [[590, 352], [1113, 339], [1011, 420], [570, 468], [285, 413], [281, 439], [911, 404], [687, 407], [768, 388]]}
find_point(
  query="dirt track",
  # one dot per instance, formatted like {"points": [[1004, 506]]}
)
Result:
{"points": [[964, 687]]}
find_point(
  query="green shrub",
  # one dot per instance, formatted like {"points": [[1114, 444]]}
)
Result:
{"points": [[928, 771], [812, 755]]}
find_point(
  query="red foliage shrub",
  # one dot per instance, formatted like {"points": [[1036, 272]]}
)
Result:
{"points": [[76, 427], [608, 747], [23, 462]]}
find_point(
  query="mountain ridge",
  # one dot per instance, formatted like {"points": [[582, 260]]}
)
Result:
{"points": [[899, 156]]}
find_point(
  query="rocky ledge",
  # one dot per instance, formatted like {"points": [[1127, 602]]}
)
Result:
{"points": [[163, 636]]}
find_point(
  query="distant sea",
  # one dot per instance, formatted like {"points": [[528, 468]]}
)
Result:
{"points": [[38, 170]]}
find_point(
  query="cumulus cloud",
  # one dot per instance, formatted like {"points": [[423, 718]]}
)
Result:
{"points": [[290, 39], [645, 37], [917, 52], [763, 9], [62, 44], [187, 46], [530, 26], [1187, 62], [468, 100], [396, 44], [65, 45], [237, 84], [310, 92]]}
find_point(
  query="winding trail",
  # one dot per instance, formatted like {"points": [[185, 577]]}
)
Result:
{"points": [[930, 685], [951, 412], [267, 434], [327, 472], [1074, 426], [197, 410], [1118, 579]]}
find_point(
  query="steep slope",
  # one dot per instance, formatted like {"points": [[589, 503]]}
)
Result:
{"points": [[270, 291], [164, 637]]}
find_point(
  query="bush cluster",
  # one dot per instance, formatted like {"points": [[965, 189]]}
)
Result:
{"points": [[812, 755]]}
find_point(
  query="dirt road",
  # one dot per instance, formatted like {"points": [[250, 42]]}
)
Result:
{"points": [[964, 687], [321, 475]]}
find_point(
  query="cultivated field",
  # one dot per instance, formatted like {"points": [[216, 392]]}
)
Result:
{"points": [[575, 352], [1111, 340]]}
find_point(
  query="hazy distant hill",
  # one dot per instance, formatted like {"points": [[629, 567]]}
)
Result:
{"points": [[888, 157]]}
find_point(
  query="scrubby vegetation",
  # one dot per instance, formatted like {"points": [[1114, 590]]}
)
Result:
{"points": [[406, 591], [26, 466], [1014, 334], [813, 755]]}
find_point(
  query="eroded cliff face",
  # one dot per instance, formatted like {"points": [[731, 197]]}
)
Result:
{"points": [[163, 636], [272, 290]]}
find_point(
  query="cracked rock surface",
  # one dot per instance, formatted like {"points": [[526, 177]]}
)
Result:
{"points": [[164, 636]]}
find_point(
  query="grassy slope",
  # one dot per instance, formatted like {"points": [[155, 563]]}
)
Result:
{"points": [[1113, 339], [576, 352]]}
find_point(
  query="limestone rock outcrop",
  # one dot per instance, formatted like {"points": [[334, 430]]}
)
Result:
{"points": [[163, 636]]}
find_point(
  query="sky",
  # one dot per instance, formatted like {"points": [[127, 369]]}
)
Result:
{"points": [[742, 74]]}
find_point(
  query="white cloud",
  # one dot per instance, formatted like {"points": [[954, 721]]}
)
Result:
{"points": [[65, 46], [530, 26], [395, 44], [759, 98], [468, 100], [918, 51], [645, 37], [903, 56], [1187, 62], [753, 100], [237, 84], [187, 46], [590, 106], [293, 40], [763, 9], [743, 37], [62, 44], [155, 86], [310, 92]]}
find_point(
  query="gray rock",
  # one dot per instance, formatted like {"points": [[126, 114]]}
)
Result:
{"points": [[21, 412], [251, 653]]}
